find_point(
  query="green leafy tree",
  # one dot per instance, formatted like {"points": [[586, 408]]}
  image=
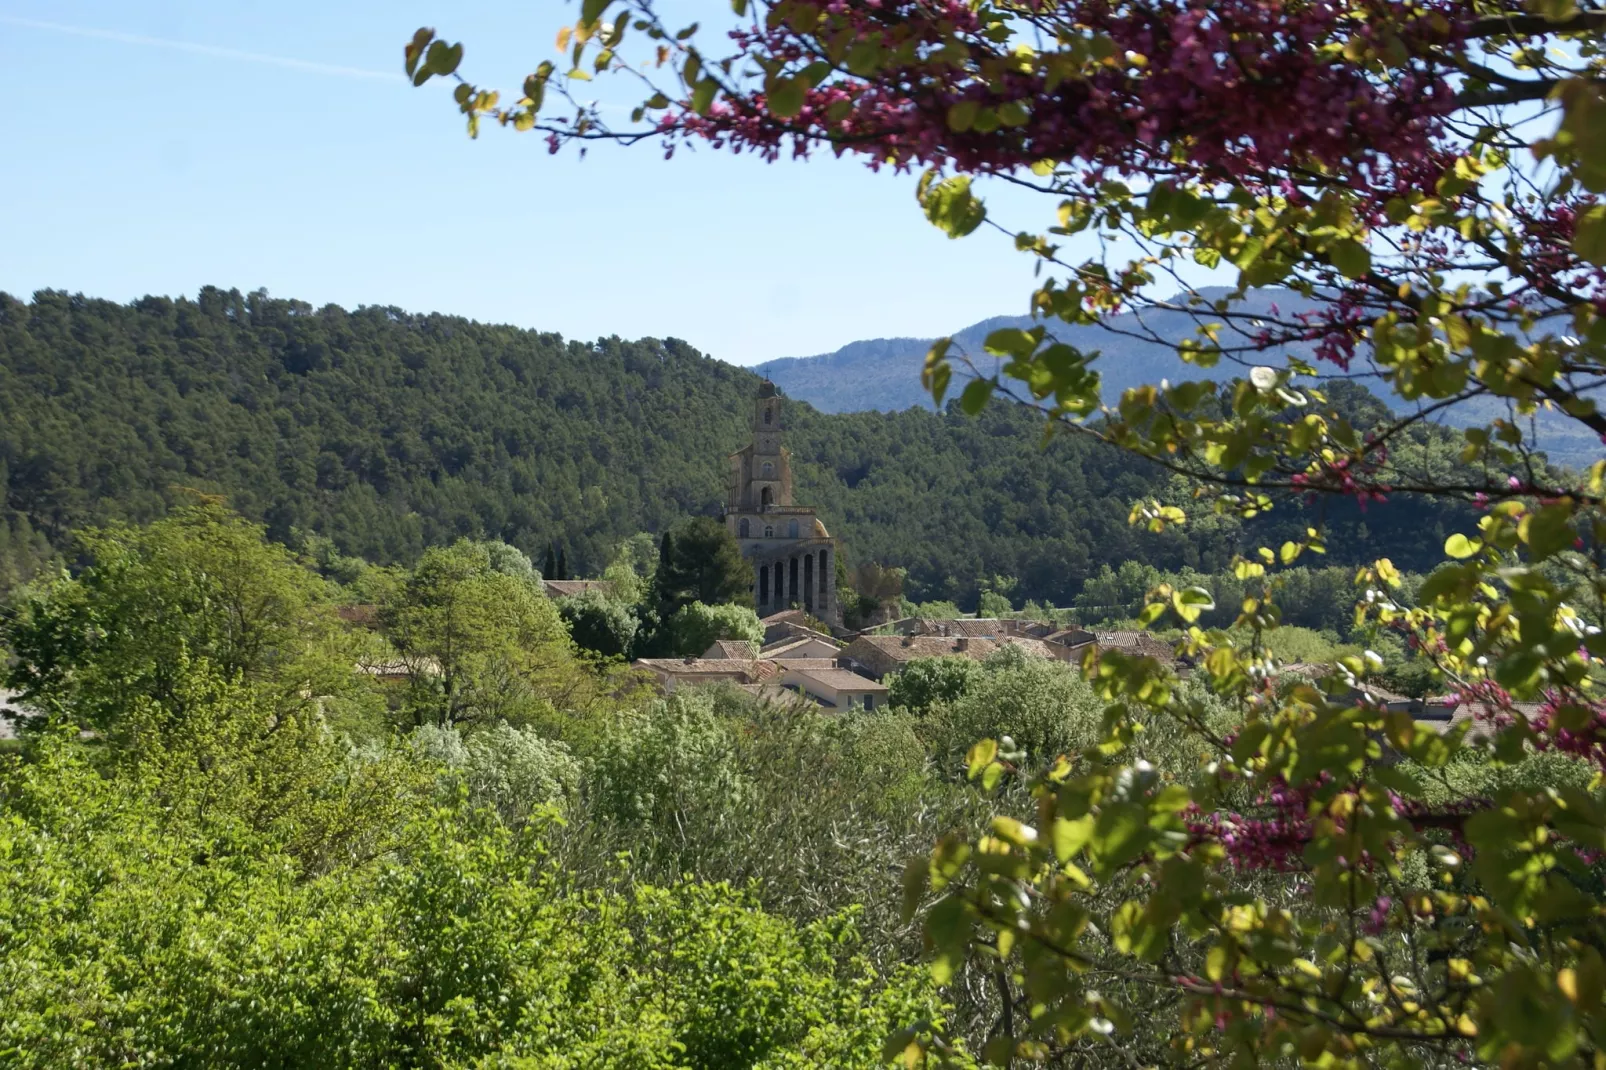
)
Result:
{"points": [[700, 562], [629, 575], [658, 766], [202, 584], [993, 604], [479, 644], [133, 933], [924, 682], [695, 627], [601, 623]]}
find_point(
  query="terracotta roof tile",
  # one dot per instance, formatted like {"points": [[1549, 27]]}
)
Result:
{"points": [[882, 654], [737, 649]]}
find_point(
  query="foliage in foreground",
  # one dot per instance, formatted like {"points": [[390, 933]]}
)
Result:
{"points": [[1426, 177], [150, 915]]}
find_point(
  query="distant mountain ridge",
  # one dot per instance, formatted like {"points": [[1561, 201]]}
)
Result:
{"points": [[883, 374]]}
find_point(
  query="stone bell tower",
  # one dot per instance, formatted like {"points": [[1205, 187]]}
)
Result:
{"points": [[794, 557]]}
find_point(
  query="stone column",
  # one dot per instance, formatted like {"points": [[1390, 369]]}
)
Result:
{"points": [[833, 612]]}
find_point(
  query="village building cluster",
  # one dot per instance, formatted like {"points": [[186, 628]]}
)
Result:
{"points": [[808, 656]]}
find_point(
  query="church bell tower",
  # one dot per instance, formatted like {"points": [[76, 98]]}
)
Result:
{"points": [[794, 557]]}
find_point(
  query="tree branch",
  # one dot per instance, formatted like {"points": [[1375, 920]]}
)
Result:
{"points": [[1523, 24]]}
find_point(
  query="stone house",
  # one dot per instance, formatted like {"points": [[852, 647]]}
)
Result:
{"points": [[836, 689]]}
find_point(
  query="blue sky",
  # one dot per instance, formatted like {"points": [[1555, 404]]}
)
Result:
{"points": [[158, 146]]}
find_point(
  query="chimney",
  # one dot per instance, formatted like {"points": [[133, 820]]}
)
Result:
{"points": [[908, 640], [962, 644]]}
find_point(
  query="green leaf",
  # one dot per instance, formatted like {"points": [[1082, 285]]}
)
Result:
{"points": [[1151, 613], [703, 96], [442, 58], [916, 875], [1350, 257], [962, 116], [787, 97], [1071, 836], [415, 48], [591, 11], [1589, 235], [864, 57], [1548, 531], [1120, 835], [975, 396], [1134, 933], [951, 206], [1011, 342], [980, 756], [947, 922], [1459, 546], [937, 372], [1192, 601]]}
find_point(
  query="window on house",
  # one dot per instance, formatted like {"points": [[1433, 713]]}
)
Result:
{"points": [[769, 415], [791, 530], [769, 470], [769, 532], [742, 527]]}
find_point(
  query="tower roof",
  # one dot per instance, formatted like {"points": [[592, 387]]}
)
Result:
{"points": [[766, 389]]}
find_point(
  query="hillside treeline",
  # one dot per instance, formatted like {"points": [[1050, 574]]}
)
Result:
{"points": [[388, 432]]}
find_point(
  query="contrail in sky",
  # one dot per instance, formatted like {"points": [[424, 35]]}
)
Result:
{"points": [[204, 50]]}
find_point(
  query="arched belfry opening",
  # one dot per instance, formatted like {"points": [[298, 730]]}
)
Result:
{"points": [[765, 498]]}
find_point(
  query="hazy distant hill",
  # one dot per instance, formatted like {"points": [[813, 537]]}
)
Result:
{"points": [[884, 373]]}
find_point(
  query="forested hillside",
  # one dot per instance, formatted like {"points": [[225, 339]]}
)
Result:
{"points": [[389, 431]]}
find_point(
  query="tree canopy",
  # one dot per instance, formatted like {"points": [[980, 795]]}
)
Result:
{"points": [[1430, 175]]}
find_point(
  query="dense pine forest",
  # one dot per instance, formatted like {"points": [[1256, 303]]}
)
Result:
{"points": [[388, 432]]}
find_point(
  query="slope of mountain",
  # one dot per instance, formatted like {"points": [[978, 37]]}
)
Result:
{"points": [[884, 373], [388, 431]]}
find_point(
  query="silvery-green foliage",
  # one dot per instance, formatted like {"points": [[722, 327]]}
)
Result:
{"points": [[512, 770], [673, 758]]}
